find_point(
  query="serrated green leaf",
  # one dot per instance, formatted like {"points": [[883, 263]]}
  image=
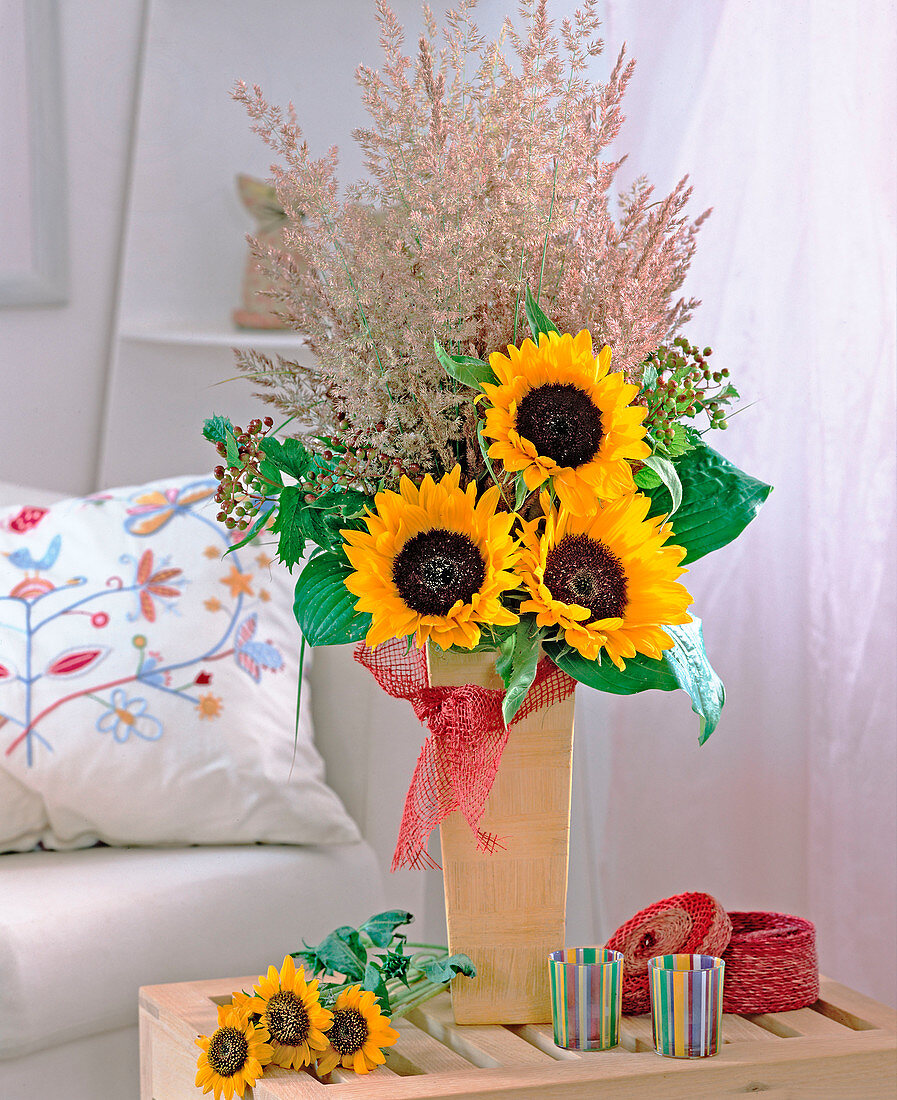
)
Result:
{"points": [[445, 968], [270, 472], [666, 471], [216, 428], [342, 952], [516, 665], [324, 607], [373, 980], [645, 478], [538, 321], [649, 378], [463, 368], [381, 928], [288, 526], [718, 502], [288, 455], [309, 960], [680, 444]]}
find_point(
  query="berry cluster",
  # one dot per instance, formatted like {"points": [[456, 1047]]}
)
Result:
{"points": [[680, 383], [351, 463], [241, 486]]}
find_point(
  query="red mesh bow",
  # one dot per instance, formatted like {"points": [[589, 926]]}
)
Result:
{"points": [[459, 760]]}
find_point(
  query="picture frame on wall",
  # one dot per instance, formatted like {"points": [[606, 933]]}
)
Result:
{"points": [[33, 193]]}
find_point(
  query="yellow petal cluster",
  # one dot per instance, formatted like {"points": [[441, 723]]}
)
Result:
{"points": [[359, 1033], [232, 1067], [566, 360], [302, 996], [434, 507], [649, 569]]}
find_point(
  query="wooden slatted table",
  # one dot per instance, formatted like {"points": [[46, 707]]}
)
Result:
{"points": [[842, 1048]]}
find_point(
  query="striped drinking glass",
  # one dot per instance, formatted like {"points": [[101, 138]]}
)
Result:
{"points": [[686, 1004], [586, 997]]}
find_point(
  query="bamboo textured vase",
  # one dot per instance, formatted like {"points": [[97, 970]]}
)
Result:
{"points": [[506, 909]]}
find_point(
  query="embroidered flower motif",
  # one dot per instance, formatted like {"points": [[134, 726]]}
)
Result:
{"points": [[238, 583], [26, 519], [151, 511], [251, 655], [209, 706], [154, 584], [212, 604], [126, 716]]}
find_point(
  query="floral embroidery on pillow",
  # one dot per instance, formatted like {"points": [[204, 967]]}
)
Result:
{"points": [[46, 588]]}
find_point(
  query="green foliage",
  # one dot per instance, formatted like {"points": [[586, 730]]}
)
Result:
{"points": [[718, 502], [516, 664], [463, 368], [400, 981], [684, 666], [324, 607], [288, 455], [666, 474], [538, 321], [217, 429]]}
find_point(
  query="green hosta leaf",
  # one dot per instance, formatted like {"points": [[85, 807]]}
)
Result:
{"points": [[520, 494], [446, 967], [288, 455], [641, 674], [666, 471], [516, 664], [538, 321], [688, 662], [463, 368], [324, 607], [217, 428], [287, 524], [342, 952], [684, 666], [718, 502], [381, 928]]}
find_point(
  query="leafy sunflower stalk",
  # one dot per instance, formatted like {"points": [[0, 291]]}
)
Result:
{"points": [[334, 1010]]}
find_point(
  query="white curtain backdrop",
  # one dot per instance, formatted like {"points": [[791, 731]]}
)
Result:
{"points": [[784, 117]]}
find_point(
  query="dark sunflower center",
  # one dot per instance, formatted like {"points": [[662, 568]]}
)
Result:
{"points": [[286, 1019], [582, 570], [436, 568], [348, 1031], [227, 1051], [561, 422]]}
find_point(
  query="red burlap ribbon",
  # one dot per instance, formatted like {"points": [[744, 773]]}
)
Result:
{"points": [[459, 760]]}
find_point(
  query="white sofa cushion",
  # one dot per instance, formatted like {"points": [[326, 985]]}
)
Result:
{"points": [[147, 683], [81, 931]]}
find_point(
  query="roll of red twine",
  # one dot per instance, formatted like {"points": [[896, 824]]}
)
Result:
{"points": [[771, 963], [688, 924]]}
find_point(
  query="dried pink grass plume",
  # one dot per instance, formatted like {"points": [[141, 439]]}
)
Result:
{"points": [[486, 175]]}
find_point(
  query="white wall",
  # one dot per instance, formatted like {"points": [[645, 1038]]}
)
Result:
{"points": [[53, 359]]}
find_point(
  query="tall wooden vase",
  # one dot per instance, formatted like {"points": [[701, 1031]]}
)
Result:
{"points": [[506, 909]]}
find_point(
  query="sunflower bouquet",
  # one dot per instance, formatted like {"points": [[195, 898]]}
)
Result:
{"points": [[502, 442], [333, 1011]]}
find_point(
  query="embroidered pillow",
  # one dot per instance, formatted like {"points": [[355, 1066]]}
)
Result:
{"points": [[148, 683]]}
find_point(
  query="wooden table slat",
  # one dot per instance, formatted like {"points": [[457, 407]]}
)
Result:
{"points": [[844, 1048]]}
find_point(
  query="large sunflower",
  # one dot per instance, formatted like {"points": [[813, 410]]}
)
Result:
{"points": [[433, 562], [234, 1056], [358, 1033], [291, 1011], [606, 580], [557, 413]]}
